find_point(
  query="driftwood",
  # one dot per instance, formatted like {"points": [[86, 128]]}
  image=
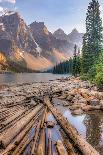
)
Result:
{"points": [[20, 112], [11, 133], [50, 152], [81, 143], [19, 138], [60, 148], [35, 139], [68, 144], [44, 117], [41, 146]]}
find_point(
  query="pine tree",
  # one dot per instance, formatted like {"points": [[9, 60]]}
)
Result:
{"points": [[92, 40], [75, 61]]}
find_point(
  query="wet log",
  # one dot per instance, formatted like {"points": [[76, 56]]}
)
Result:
{"points": [[60, 148], [35, 139], [68, 144], [41, 146], [13, 131], [81, 143], [50, 152], [44, 117]]}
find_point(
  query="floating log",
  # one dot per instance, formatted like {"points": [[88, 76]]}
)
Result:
{"points": [[35, 139], [60, 148], [44, 116], [68, 144], [81, 143], [11, 133], [41, 146], [50, 147]]}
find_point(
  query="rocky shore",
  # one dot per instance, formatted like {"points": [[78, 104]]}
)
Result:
{"points": [[80, 96]]}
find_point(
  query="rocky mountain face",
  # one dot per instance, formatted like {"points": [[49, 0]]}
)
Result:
{"points": [[15, 33], [34, 44], [74, 37], [48, 42]]}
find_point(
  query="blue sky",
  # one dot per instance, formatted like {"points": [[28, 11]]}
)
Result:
{"points": [[65, 14]]}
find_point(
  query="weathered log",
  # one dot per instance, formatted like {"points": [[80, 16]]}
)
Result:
{"points": [[60, 148], [11, 133], [19, 113], [44, 116], [41, 146], [50, 152], [35, 139], [67, 143], [81, 143], [11, 147]]}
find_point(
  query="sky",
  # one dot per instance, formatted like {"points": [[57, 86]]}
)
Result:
{"points": [[65, 14]]}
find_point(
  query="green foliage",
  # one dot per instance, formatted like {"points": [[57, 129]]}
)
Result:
{"points": [[92, 40], [63, 67], [76, 62]]}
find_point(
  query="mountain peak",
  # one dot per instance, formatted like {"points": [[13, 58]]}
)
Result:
{"points": [[74, 31], [60, 34]]}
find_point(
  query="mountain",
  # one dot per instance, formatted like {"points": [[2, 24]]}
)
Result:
{"points": [[15, 33], [48, 43], [34, 46], [60, 34], [75, 37]]}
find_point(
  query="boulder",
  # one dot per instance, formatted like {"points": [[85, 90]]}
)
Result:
{"points": [[87, 108], [94, 102], [50, 124], [69, 98], [77, 112]]}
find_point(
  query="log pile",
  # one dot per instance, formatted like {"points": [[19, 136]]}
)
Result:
{"points": [[24, 125]]}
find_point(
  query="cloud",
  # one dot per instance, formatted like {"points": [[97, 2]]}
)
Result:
{"points": [[10, 1], [1, 9]]}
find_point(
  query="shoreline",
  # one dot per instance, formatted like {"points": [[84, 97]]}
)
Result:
{"points": [[80, 96]]}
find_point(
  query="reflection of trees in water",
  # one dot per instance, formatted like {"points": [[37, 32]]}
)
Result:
{"points": [[93, 129]]}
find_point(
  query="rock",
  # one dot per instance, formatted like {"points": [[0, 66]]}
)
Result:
{"points": [[94, 102], [77, 112], [76, 106], [69, 98], [87, 108], [50, 124]]}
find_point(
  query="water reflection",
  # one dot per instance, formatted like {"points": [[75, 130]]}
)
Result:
{"points": [[89, 125]]}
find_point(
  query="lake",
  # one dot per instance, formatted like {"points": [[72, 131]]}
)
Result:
{"points": [[28, 77]]}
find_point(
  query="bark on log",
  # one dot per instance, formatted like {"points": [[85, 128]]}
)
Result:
{"points": [[35, 139], [19, 138], [81, 143], [50, 152], [41, 146], [11, 133], [60, 148], [68, 145], [44, 116]]}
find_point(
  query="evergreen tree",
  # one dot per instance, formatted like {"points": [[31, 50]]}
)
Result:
{"points": [[75, 61], [92, 40]]}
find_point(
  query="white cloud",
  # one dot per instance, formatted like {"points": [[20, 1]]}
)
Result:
{"points": [[10, 1], [1, 9]]}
